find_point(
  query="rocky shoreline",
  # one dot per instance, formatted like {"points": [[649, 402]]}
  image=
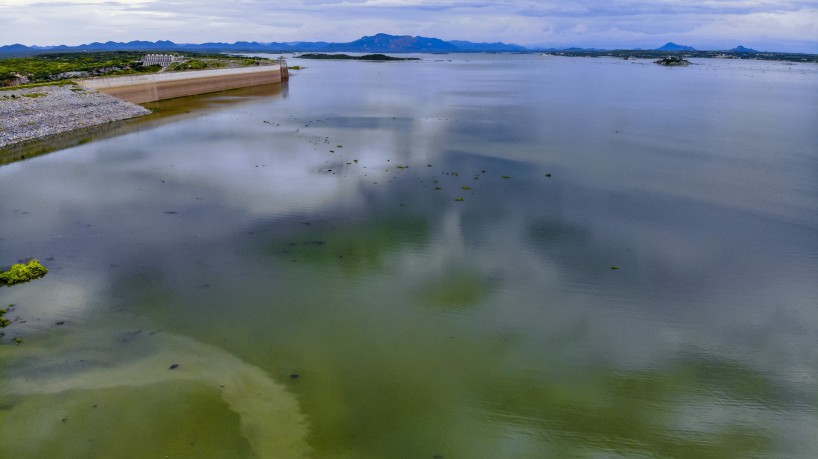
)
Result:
{"points": [[34, 113]]}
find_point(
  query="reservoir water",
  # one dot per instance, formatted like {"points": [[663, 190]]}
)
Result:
{"points": [[466, 256]]}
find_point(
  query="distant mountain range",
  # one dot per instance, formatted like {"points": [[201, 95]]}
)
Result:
{"points": [[380, 43], [670, 46]]}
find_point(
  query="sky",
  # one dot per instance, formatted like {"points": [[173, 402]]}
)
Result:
{"points": [[767, 25]]}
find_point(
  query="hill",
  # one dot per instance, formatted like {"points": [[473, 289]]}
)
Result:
{"points": [[741, 49], [670, 46]]}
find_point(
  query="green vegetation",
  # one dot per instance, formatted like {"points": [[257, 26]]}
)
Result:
{"points": [[367, 57], [20, 273], [3, 321], [38, 85], [35, 95], [192, 64], [672, 61], [50, 67], [53, 67]]}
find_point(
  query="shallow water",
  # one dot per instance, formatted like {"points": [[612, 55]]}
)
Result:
{"points": [[304, 259]]}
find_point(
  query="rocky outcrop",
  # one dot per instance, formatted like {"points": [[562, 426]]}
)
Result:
{"points": [[672, 61]]}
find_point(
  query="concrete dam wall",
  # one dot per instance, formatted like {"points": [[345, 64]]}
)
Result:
{"points": [[140, 89]]}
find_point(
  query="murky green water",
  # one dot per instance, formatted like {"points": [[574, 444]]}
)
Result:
{"points": [[304, 258]]}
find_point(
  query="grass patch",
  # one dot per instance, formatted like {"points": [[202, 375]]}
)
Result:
{"points": [[39, 85]]}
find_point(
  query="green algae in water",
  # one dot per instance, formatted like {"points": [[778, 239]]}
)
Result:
{"points": [[107, 423], [623, 410], [357, 247], [457, 289], [214, 403]]}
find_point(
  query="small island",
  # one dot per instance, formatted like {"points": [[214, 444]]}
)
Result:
{"points": [[672, 61], [367, 57]]}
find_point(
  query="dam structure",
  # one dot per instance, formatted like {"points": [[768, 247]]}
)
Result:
{"points": [[140, 89]]}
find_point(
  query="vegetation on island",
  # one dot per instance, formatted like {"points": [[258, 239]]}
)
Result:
{"points": [[20, 273], [55, 67], [367, 57]]}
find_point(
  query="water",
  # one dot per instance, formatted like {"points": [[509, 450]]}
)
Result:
{"points": [[303, 256]]}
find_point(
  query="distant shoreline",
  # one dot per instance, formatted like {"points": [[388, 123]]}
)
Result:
{"points": [[656, 54]]}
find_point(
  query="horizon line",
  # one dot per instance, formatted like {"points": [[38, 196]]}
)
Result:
{"points": [[528, 47]]}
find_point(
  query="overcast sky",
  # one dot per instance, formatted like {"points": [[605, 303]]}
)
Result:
{"points": [[774, 25]]}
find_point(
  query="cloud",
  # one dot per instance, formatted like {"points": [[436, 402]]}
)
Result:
{"points": [[615, 23]]}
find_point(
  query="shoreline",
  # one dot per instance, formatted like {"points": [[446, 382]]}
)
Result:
{"points": [[160, 112], [34, 113]]}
